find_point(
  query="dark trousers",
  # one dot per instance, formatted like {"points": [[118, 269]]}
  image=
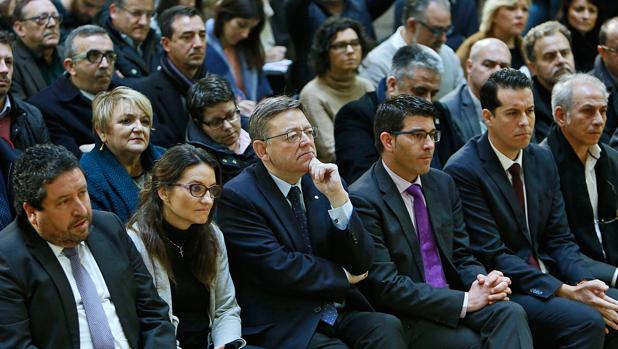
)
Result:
{"points": [[500, 325], [562, 323], [356, 329]]}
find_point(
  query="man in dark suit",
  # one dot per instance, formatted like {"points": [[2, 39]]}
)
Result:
{"points": [[606, 68], [38, 60], [71, 277], [67, 103], [423, 271], [514, 214], [588, 170], [486, 56], [184, 42], [295, 244]]}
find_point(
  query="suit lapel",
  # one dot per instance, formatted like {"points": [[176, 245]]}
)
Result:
{"points": [[432, 201], [469, 112], [494, 169], [531, 181], [35, 73], [393, 200]]}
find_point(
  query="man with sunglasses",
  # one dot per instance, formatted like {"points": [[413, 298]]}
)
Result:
{"points": [[426, 22], [137, 45], [38, 61], [423, 271], [296, 247], [66, 104], [606, 69]]}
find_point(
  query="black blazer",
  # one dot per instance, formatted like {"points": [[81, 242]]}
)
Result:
{"points": [[36, 301], [28, 79], [396, 281], [280, 286], [463, 112], [497, 224]]}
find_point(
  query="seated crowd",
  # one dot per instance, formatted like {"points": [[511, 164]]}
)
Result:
{"points": [[453, 186]]}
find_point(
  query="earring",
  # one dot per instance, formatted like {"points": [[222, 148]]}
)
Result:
{"points": [[101, 147]]}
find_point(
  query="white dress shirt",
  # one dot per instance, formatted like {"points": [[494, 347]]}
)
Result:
{"points": [[88, 261]]}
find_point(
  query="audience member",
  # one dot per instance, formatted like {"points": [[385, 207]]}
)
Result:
{"points": [[70, 276], [286, 221], [66, 104], [217, 125], [162, 5], [184, 43], [588, 170], [463, 103], [38, 60], [415, 70], [21, 124], [548, 51], [7, 155], [76, 13], [7, 9], [606, 69], [338, 47], [121, 161], [427, 23], [235, 50], [304, 17], [184, 250], [514, 213], [580, 18], [137, 45], [423, 266], [504, 20], [273, 38]]}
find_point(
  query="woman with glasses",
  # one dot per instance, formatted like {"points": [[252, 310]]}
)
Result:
{"points": [[504, 20], [118, 165], [235, 51], [217, 126], [338, 48], [184, 250]]}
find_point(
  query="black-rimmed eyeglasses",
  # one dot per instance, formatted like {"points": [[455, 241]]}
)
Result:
{"points": [[230, 117], [96, 56], [420, 136], [44, 18], [437, 31]]}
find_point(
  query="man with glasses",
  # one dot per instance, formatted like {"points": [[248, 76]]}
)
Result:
{"points": [[66, 104], [295, 244], [77, 13], [588, 170], [426, 22], [606, 69], [38, 61], [217, 126], [183, 37], [137, 45], [514, 215], [423, 271]]}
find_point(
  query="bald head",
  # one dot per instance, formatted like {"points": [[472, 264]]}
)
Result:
{"points": [[608, 42], [486, 57]]}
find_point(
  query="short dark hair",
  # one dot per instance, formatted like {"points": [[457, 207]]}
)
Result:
{"points": [[392, 112], [324, 37], [81, 32], [506, 78], [604, 29], [267, 109], [226, 10], [168, 16], [37, 166], [7, 38], [207, 92]]}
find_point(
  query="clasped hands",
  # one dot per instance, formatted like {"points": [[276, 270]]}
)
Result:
{"points": [[592, 292], [488, 289]]}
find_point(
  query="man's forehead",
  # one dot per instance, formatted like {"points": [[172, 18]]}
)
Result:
{"points": [[552, 43], [98, 42], [524, 97], [39, 6], [586, 94], [183, 24], [437, 14], [289, 119]]}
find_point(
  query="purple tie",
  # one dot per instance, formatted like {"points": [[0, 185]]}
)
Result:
{"points": [[434, 275]]}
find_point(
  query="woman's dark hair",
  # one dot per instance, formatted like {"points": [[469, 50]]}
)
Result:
{"points": [[208, 92], [165, 4], [248, 9], [148, 218], [564, 12], [319, 54]]}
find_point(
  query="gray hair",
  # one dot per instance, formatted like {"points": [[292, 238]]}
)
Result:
{"points": [[562, 94], [81, 32], [266, 110], [408, 58], [540, 31], [417, 8]]}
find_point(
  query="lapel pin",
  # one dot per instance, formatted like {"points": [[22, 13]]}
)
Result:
{"points": [[316, 197]]}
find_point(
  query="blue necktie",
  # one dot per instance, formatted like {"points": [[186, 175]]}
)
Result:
{"points": [[100, 332], [5, 204], [329, 312]]}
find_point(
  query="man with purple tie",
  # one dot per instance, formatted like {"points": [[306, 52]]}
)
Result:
{"points": [[423, 271]]}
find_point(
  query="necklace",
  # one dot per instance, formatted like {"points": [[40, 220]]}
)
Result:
{"points": [[180, 250]]}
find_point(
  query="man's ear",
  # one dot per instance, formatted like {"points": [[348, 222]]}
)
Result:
{"points": [[68, 66], [113, 10], [165, 43], [18, 28], [259, 147], [487, 117], [391, 86], [560, 116], [30, 214], [388, 141], [411, 25], [532, 67]]}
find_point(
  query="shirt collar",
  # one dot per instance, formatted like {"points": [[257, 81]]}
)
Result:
{"points": [[401, 184], [88, 95], [398, 40], [7, 107], [505, 161], [57, 250], [284, 186]]}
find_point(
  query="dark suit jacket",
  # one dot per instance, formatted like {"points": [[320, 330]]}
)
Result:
{"points": [[578, 207], [544, 118], [169, 107], [611, 125], [463, 112], [37, 302], [27, 124], [497, 224], [396, 281], [280, 286], [27, 77]]}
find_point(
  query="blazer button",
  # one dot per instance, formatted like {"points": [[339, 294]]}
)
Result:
{"points": [[317, 309]]}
